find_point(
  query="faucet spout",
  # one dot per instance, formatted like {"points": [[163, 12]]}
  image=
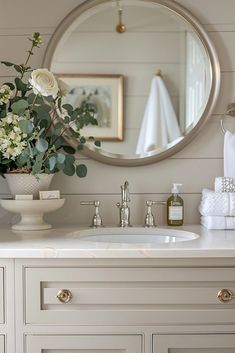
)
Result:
{"points": [[125, 192], [124, 209]]}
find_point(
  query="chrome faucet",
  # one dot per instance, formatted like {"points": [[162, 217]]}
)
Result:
{"points": [[123, 206]]}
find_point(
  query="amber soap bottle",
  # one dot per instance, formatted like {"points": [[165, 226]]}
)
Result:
{"points": [[175, 207]]}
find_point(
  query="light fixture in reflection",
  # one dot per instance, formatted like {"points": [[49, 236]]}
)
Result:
{"points": [[120, 28]]}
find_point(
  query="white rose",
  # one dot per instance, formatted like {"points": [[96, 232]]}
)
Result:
{"points": [[44, 83]]}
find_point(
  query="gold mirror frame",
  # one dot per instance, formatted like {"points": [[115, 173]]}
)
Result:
{"points": [[152, 157]]}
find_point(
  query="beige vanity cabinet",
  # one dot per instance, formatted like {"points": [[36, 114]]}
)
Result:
{"points": [[203, 343], [2, 344], [84, 343], [124, 306], [1, 295], [7, 312]]}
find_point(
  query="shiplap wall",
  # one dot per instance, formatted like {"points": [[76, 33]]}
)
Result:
{"points": [[196, 166]]}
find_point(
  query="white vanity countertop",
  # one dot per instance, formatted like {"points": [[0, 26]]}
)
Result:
{"points": [[63, 243]]}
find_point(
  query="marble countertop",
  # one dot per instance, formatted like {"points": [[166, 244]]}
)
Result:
{"points": [[66, 243]]}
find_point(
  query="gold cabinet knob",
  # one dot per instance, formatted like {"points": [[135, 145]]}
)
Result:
{"points": [[64, 295], [225, 295]]}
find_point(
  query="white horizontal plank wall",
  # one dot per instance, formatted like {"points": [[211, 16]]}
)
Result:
{"points": [[195, 166]]}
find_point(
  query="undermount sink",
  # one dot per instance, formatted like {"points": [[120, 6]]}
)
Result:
{"points": [[134, 235]]}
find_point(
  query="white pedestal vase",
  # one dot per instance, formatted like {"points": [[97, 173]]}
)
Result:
{"points": [[26, 184], [31, 212]]}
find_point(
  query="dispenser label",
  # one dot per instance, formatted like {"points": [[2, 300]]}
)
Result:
{"points": [[175, 213]]}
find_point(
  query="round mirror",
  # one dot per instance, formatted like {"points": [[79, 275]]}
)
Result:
{"points": [[148, 70]]}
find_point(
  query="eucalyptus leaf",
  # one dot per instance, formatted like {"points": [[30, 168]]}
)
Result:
{"points": [[5, 161], [19, 107], [31, 98], [38, 165], [52, 162], [60, 158], [18, 68], [69, 159], [20, 85], [23, 157], [81, 170], [66, 119], [10, 85], [42, 145], [58, 127], [69, 149], [49, 99], [44, 124], [68, 107], [42, 111], [7, 63], [26, 126], [69, 169], [83, 140], [2, 114]]}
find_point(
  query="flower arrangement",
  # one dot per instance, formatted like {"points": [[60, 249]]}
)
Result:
{"points": [[31, 135]]}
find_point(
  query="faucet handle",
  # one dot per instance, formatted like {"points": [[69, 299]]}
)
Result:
{"points": [[149, 218], [96, 219]]}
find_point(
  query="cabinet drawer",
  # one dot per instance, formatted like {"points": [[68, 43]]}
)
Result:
{"points": [[210, 343], [128, 295], [84, 343], [1, 296]]}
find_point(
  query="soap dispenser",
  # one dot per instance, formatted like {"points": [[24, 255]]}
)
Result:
{"points": [[175, 207]]}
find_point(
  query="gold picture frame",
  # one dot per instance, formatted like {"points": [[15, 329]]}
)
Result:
{"points": [[105, 95]]}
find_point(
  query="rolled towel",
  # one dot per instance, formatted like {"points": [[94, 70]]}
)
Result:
{"points": [[224, 184], [218, 222], [217, 203]]}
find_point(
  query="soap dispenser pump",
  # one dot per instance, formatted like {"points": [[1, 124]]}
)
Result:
{"points": [[175, 207]]}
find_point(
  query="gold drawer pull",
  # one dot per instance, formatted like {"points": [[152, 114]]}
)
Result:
{"points": [[225, 295], [64, 295]]}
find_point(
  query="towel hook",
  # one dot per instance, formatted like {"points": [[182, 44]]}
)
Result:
{"points": [[158, 73], [229, 112]]}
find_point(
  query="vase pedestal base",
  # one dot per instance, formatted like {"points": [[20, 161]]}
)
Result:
{"points": [[31, 212]]}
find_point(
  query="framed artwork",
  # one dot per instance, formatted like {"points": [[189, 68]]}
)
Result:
{"points": [[104, 93]]}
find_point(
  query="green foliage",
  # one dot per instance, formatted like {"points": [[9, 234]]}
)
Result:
{"points": [[81, 170], [19, 107], [40, 122]]}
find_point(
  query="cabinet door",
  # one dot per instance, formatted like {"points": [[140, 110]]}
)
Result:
{"points": [[2, 346], [209, 343], [1, 297], [84, 343]]}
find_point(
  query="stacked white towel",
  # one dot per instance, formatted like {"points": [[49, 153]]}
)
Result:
{"points": [[224, 184], [217, 203], [217, 209], [218, 222]]}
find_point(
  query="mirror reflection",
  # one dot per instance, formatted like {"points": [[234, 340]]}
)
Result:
{"points": [[160, 58]]}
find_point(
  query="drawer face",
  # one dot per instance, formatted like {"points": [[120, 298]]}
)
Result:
{"points": [[84, 343], [2, 345], [129, 296], [220, 343], [1, 295]]}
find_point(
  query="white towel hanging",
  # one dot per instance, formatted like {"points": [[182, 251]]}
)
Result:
{"points": [[229, 154], [159, 125]]}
